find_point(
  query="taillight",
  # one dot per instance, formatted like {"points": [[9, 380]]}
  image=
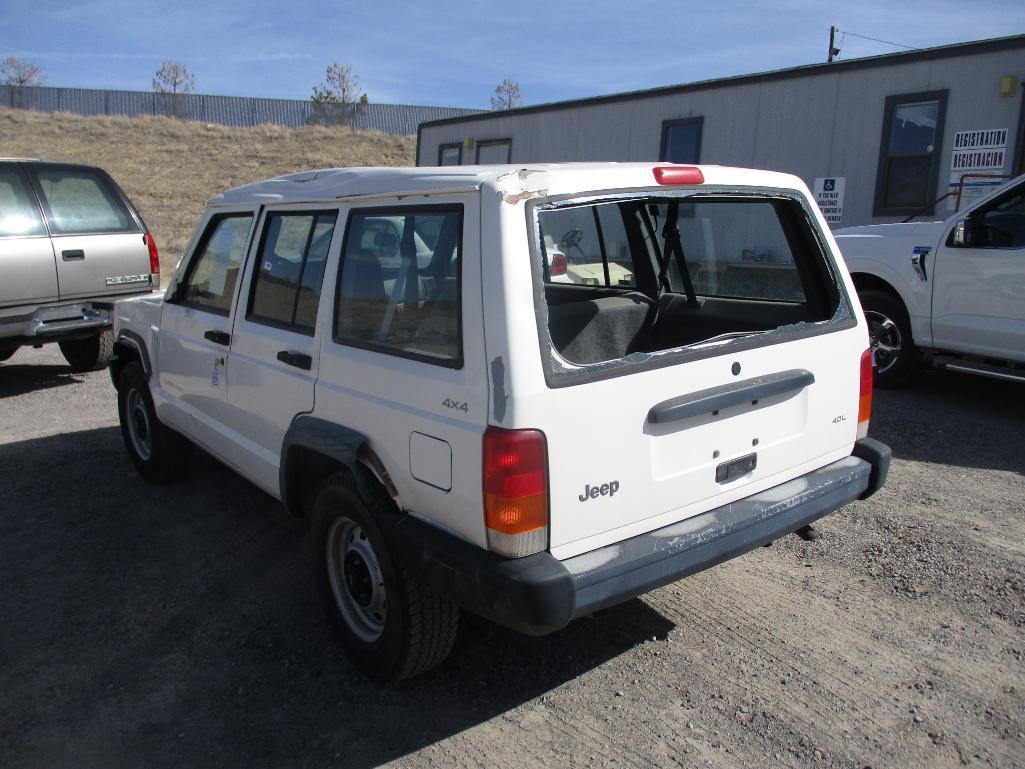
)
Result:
{"points": [[865, 394], [154, 259], [678, 175], [516, 491], [558, 264]]}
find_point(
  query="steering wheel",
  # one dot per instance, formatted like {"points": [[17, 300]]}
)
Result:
{"points": [[570, 239]]}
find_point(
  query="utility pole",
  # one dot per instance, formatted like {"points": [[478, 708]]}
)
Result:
{"points": [[833, 50]]}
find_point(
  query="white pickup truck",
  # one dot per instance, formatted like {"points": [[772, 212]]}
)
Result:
{"points": [[952, 292]]}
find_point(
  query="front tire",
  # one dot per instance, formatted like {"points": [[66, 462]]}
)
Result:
{"points": [[390, 625], [893, 352], [90, 354], [158, 452]]}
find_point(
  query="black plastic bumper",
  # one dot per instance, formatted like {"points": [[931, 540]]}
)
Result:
{"points": [[539, 594]]}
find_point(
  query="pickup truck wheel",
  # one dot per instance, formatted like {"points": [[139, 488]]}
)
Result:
{"points": [[92, 354], [894, 353], [390, 625], [158, 452]]}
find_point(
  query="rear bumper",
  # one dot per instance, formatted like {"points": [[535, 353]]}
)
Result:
{"points": [[55, 322], [539, 594]]}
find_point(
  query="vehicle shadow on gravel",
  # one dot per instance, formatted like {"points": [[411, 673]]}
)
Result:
{"points": [[953, 419], [18, 379], [178, 626]]}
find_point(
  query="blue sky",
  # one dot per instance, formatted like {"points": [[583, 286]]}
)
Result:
{"points": [[454, 53]]}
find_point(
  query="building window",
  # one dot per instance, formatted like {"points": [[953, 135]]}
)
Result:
{"points": [[494, 151], [450, 154], [681, 140], [909, 153]]}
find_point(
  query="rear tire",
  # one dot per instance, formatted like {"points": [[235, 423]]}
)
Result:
{"points": [[91, 354], [390, 625], [894, 354], [159, 453]]}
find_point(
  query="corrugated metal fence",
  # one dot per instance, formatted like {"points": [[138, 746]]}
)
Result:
{"points": [[398, 119]]}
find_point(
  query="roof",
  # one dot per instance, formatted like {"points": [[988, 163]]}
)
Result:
{"points": [[806, 70], [516, 182]]}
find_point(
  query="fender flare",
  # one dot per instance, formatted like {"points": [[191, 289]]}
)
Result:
{"points": [[342, 444], [130, 339]]}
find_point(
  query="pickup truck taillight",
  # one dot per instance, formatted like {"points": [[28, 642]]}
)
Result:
{"points": [[154, 259], [515, 470], [559, 265], [865, 394]]}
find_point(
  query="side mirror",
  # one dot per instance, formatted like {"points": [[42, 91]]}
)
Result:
{"points": [[964, 233]]}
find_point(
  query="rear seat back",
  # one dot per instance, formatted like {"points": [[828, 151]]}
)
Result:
{"points": [[595, 330]]}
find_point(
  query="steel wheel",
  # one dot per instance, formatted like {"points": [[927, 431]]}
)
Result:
{"points": [[887, 342], [357, 581], [139, 430]]}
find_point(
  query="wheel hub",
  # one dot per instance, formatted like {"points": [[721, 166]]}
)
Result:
{"points": [[357, 580]]}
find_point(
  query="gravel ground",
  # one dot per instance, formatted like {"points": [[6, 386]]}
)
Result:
{"points": [[178, 626]]}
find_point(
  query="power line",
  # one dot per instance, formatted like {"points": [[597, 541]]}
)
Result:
{"points": [[877, 40]]}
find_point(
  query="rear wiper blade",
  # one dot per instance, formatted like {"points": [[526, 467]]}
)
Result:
{"points": [[726, 337]]}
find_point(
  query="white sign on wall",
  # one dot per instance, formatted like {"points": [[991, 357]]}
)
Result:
{"points": [[976, 152], [829, 193]]}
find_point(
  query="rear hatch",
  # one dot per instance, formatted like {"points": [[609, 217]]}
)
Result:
{"points": [[99, 240], [718, 356]]}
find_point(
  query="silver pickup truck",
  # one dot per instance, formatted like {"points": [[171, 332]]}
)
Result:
{"points": [[71, 244]]}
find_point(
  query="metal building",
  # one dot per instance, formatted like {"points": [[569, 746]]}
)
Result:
{"points": [[878, 139]]}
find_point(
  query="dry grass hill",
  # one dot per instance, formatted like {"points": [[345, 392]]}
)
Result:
{"points": [[170, 168]]}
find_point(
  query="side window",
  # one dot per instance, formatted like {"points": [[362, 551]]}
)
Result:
{"points": [[681, 140], [399, 287], [587, 245], [494, 151], [1002, 224], [209, 282], [290, 269], [736, 250], [81, 201], [450, 154], [19, 214], [909, 153]]}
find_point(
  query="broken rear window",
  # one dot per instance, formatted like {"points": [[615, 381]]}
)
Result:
{"points": [[644, 276]]}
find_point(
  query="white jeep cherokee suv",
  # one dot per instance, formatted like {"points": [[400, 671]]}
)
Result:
{"points": [[386, 352]]}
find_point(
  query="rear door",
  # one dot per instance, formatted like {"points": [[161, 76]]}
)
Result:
{"points": [[275, 345], [711, 398], [98, 240], [28, 274]]}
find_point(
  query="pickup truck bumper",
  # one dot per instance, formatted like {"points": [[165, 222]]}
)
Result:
{"points": [[55, 322], [539, 594]]}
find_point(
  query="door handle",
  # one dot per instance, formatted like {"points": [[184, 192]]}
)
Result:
{"points": [[72, 254], [710, 401], [297, 359], [219, 337]]}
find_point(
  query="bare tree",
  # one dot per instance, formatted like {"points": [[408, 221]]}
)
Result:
{"points": [[173, 77], [19, 73], [335, 101], [15, 71], [507, 95], [173, 81]]}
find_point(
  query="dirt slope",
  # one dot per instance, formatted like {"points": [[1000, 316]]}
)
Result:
{"points": [[170, 168]]}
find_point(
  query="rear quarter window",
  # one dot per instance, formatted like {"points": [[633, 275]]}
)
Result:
{"points": [[82, 201]]}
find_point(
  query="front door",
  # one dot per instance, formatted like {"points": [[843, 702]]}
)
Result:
{"points": [[979, 289], [196, 333], [275, 346]]}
